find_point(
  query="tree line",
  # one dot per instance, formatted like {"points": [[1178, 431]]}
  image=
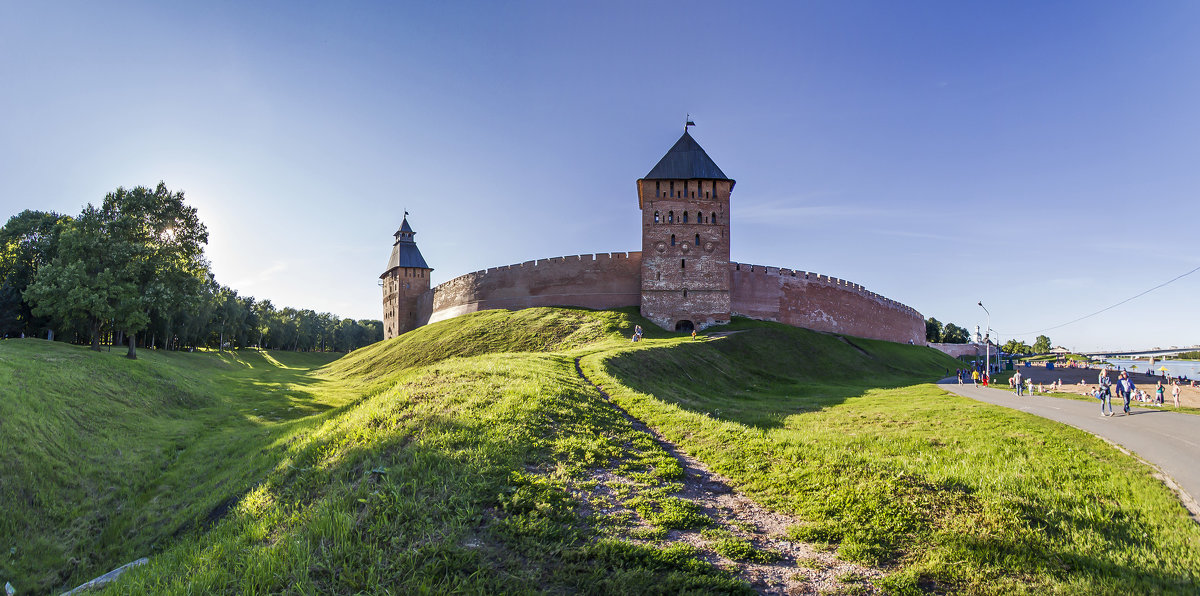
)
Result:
{"points": [[949, 333], [132, 271]]}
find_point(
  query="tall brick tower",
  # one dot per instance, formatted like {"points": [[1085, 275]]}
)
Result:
{"points": [[404, 281], [685, 239]]}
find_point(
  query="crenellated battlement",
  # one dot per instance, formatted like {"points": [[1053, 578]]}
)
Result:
{"points": [[818, 278]]}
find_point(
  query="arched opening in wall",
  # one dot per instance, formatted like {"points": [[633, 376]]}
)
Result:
{"points": [[672, 239], [670, 217], [714, 218], [672, 189], [684, 326], [655, 217], [656, 186], [697, 239], [685, 217], [685, 293]]}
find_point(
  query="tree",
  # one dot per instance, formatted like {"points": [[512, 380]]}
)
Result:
{"points": [[166, 241], [27, 242], [86, 281], [953, 334], [1041, 345], [1013, 346], [933, 330]]}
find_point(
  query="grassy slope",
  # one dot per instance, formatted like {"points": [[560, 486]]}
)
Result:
{"points": [[102, 454], [952, 492], [450, 457]]}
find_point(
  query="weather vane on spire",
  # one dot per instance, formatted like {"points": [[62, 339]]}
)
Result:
{"points": [[688, 122]]}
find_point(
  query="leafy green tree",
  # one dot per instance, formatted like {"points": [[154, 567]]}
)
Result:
{"points": [[27, 242], [86, 281], [166, 239], [1041, 345], [953, 334], [933, 330], [1013, 346]]}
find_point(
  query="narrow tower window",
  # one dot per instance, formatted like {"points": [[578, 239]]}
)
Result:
{"points": [[656, 185], [670, 217], [672, 239], [714, 217], [697, 239], [672, 188], [683, 263], [655, 217], [685, 292], [685, 217]]}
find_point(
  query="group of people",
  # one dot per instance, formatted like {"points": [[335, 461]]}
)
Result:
{"points": [[975, 376], [1020, 384], [1126, 391]]}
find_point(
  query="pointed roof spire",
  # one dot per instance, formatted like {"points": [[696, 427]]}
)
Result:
{"points": [[686, 160], [404, 250]]}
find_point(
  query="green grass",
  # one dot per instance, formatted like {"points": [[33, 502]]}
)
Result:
{"points": [[468, 456], [944, 490]]}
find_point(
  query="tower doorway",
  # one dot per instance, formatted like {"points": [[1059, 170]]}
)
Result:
{"points": [[684, 326]]}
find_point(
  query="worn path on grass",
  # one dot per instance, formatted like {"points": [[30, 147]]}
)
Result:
{"points": [[1168, 440]]}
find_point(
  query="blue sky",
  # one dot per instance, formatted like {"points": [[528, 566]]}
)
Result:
{"points": [[1041, 157]]}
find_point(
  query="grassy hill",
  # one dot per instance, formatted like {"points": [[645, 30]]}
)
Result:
{"points": [[468, 456]]}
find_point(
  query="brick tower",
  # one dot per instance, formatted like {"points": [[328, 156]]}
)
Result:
{"points": [[685, 239], [404, 281]]}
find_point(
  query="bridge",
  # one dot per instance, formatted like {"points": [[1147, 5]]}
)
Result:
{"points": [[1139, 353]]}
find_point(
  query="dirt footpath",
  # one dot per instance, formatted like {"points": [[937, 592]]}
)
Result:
{"points": [[1188, 396]]}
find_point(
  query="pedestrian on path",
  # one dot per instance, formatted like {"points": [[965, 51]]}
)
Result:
{"points": [[1016, 378], [975, 377], [1105, 398], [1125, 390]]}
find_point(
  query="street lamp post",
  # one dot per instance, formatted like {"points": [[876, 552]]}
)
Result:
{"points": [[987, 345]]}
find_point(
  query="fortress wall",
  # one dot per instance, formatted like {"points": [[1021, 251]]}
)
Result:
{"points": [[958, 350], [822, 303], [602, 280]]}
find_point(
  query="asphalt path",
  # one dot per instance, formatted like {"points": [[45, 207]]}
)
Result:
{"points": [[1169, 440]]}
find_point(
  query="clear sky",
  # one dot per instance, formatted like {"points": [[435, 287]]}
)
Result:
{"points": [[1041, 157]]}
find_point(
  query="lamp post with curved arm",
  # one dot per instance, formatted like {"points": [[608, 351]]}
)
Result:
{"points": [[987, 344]]}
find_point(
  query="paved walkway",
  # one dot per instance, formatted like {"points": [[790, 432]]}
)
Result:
{"points": [[1169, 440]]}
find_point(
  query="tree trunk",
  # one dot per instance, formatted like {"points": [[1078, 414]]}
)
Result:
{"points": [[132, 354], [94, 327]]}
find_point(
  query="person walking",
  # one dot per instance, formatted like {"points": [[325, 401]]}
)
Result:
{"points": [[975, 377], [1175, 393], [1125, 390], [1016, 378], [1105, 390]]}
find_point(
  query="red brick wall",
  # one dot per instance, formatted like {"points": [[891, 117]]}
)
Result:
{"points": [[685, 249], [956, 350], [822, 303], [593, 281], [402, 289]]}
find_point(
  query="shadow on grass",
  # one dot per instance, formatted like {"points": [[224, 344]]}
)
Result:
{"points": [[762, 374]]}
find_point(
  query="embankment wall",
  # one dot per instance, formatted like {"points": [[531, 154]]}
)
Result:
{"points": [[604, 280], [822, 303], [959, 350]]}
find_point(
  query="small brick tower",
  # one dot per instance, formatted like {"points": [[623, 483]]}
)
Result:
{"points": [[404, 281], [685, 239]]}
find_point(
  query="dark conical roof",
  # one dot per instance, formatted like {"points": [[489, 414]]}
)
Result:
{"points": [[686, 161], [405, 252]]}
